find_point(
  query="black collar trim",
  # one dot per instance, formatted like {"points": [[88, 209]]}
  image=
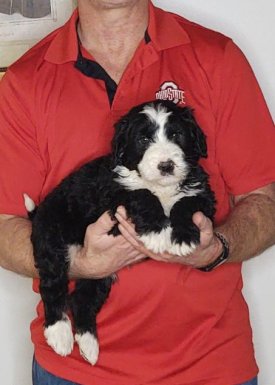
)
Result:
{"points": [[94, 70]]}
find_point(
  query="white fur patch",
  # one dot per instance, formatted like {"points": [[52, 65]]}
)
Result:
{"points": [[161, 242], [129, 179], [189, 191], [88, 347], [60, 337], [158, 152], [167, 195], [29, 203], [158, 116], [167, 198]]}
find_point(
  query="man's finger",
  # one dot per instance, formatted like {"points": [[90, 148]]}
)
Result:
{"points": [[202, 222], [125, 223], [105, 222], [129, 237], [121, 210]]}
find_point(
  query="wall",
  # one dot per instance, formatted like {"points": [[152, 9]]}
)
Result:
{"points": [[251, 24]]}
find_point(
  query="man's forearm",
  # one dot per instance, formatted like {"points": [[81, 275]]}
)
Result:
{"points": [[16, 253], [250, 228], [102, 255]]}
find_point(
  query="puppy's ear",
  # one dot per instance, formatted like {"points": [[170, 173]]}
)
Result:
{"points": [[199, 138], [119, 142]]}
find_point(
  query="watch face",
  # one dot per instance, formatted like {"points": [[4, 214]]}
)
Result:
{"points": [[219, 261]]}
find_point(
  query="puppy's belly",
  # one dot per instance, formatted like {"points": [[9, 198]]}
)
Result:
{"points": [[161, 242]]}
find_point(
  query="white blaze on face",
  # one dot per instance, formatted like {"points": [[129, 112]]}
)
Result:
{"points": [[161, 150]]}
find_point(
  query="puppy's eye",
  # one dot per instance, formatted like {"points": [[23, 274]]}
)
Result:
{"points": [[177, 135], [143, 140]]}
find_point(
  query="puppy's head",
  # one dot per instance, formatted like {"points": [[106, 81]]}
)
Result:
{"points": [[159, 140]]}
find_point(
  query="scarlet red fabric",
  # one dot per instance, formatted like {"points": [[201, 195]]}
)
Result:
{"points": [[164, 324]]}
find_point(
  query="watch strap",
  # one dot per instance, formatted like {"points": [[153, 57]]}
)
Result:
{"points": [[221, 258]]}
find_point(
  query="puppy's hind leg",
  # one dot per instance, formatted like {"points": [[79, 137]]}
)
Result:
{"points": [[86, 301], [53, 268]]}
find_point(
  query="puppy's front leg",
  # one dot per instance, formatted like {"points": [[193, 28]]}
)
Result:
{"points": [[151, 224], [145, 211], [185, 236]]}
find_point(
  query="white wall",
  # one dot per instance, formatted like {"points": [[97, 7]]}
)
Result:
{"points": [[252, 25], [17, 309]]}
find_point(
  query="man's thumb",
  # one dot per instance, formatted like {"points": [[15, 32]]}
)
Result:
{"points": [[202, 222]]}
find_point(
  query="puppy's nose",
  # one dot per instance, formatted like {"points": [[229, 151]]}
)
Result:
{"points": [[166, 167]]}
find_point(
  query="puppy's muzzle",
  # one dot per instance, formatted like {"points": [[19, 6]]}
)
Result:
{"points": [[167, 167]]}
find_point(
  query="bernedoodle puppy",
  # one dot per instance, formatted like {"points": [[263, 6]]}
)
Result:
{"points": [[154, 172]]}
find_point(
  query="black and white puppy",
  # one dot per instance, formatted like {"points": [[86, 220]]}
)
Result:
{"points": [[153, 171]]}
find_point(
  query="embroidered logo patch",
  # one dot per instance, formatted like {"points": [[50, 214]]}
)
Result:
{"points": [[170, 91]]}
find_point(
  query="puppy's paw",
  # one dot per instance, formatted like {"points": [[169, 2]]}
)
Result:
{"points": [[182, 249], [88, 347], [162, 242], [157, 242], [60, 337]]}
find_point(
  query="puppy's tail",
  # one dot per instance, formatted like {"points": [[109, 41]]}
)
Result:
{"points": [[30, 206]]}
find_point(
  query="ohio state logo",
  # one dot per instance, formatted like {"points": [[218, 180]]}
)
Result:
{"points": [[170, 91]]}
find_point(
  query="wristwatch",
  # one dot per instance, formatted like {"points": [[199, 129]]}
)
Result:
{"points": [[221, 258]]}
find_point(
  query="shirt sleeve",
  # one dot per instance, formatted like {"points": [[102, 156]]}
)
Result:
{"points": [[21, 166], [245, 140]]}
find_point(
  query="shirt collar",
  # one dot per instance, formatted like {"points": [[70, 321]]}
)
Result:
{"points": [[64, 46], [164, 31]]}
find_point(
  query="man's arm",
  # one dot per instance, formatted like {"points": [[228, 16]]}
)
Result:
{"points": [[249, 229], [102, 254], [15, 245]]}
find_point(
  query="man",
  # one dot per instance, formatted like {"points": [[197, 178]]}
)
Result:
{"points": [[164, 323]]}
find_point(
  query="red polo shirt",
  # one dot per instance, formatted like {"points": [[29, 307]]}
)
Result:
{"points": [[163, 324]]}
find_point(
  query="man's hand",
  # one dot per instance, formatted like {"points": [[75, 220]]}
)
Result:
{"points": [[103, 254], [209, 249]]}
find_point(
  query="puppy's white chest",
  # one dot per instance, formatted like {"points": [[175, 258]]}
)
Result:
{"points": [[170, 195], [167, 198], [167, 195]]}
